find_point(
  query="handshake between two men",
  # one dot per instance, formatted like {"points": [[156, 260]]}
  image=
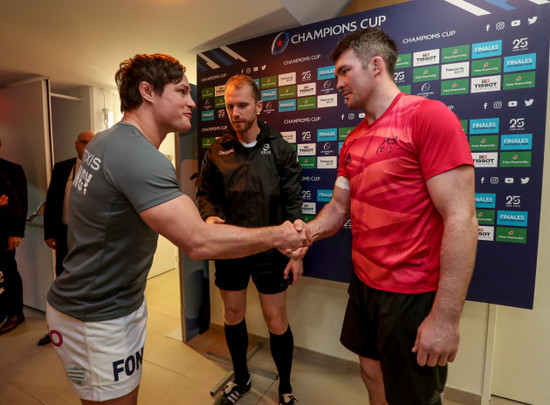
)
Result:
{"points": [[291, 239], [298, 232]]}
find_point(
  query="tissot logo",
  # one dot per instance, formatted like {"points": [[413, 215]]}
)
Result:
{"points": [[486, 233], [485, 159], [306, 89], [280, 43], [309, 208], [424, 58], [306, 149], [485, 84]]}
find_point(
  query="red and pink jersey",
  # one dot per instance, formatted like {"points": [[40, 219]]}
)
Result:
{"points": [[396, 229]]}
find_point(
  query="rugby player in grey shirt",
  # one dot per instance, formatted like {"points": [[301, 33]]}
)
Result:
{"points": [[125, 194]]}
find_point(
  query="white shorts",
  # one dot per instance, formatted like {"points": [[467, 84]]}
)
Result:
{"points": [[103, 359]]}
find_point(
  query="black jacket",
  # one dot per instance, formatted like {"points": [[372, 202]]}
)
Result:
{"points": [[251, 187], [53, 210], [13, 216]]}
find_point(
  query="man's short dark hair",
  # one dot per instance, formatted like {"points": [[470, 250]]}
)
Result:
{"points": [[366, 44], [157, 69], [243, 80]]}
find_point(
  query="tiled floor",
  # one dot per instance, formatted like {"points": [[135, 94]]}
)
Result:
{"points": [[173, 372]]}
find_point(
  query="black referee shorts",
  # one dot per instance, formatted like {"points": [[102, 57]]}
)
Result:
{"points": [[266, 270]]}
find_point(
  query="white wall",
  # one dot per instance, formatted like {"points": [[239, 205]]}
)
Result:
{"points": [[522, 347], [103, 99], [166, 255], [69, 118], [466, 373]]}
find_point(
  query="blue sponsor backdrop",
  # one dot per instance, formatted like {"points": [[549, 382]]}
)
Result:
{"points": [[485, 59]]}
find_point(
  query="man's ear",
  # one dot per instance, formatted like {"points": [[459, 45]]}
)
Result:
{"points": [[378, 64], [259, 106], [146, 91]]}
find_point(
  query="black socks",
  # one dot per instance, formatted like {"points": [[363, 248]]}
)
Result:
{"points": [[236, 337], [282, 347]]}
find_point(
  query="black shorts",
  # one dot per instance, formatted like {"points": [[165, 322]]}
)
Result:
{"points": [[382, 326], [265, 268]]}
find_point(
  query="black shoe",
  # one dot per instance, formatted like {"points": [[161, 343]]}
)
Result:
{"points": [[233, 392], [287, 399], [44, 340], [11, 322]]}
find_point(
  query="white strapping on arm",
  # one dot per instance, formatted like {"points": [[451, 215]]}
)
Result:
{"points": [[342, 182]]}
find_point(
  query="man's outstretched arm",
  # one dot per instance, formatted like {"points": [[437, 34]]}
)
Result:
{"points": [[329, 221], [180, 222], [333, 216]]}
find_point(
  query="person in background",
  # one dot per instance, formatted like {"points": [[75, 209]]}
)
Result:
{"points": [[124, 194], [13, 217], [251, 177], [56, 211], [406, 178]]}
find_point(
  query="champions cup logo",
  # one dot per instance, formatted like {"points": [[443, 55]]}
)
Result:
{"points": [[280, 43], [425, 87]]}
